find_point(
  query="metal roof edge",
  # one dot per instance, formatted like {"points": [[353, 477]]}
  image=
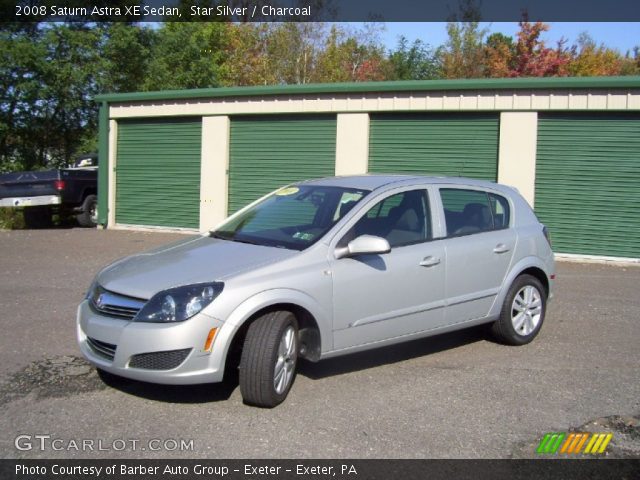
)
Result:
{"points": [[379, 87]]}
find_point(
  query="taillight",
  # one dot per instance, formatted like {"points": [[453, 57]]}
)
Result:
{"points": [[547, 235], [59, 185]]}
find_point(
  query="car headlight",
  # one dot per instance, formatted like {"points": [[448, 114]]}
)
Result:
{"points": [[178, 304]]}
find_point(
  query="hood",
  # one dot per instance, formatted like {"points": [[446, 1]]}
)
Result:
{"points": [[198, 260]]}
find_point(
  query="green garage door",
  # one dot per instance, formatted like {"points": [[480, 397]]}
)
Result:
{"points": [[588, 183], [271, 151], [435, 144], [158, 172]]}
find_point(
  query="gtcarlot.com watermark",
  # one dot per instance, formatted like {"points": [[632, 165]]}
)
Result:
{"points": [[47, 443]]}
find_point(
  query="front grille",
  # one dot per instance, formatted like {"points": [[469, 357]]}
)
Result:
{"points": [[159, 360], [115, 305], [102, 349]]}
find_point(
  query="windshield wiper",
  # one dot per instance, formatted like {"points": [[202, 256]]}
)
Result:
{"points": [[244, 240], [214, 234]]}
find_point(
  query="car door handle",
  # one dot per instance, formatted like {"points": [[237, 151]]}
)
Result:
{"points": [[429, 261], [501, 248]]}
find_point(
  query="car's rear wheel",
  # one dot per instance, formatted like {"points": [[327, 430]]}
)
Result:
{"points": [[269, 359], [522, 313]]}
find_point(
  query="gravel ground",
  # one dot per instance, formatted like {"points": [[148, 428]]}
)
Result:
{"points": [[452, 396]]}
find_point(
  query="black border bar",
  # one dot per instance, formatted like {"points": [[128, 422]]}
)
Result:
{"points": [[565, 469], [320, 10]]}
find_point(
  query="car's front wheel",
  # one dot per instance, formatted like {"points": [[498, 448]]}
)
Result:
{"points": [[269, 358], [522, 313]]}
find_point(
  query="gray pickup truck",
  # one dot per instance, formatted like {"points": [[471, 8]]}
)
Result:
{"points": [[65, 191]]}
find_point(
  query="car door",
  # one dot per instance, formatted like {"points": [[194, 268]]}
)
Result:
{"points": [[377, 297], [479, 249]]}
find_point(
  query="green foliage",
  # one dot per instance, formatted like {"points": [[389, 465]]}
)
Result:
{"points": [[126, 52], [11, 219], [186, 55], [415, 62]]}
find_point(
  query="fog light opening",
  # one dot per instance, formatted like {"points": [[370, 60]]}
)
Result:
{"points": [[209, 343]]}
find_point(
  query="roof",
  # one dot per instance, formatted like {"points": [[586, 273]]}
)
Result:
{"points": [[380, 87], [375, 181]]}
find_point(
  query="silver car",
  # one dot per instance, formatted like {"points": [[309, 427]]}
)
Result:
{"points": [[319, 269]]}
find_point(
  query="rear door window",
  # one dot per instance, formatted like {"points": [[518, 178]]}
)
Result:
{"points": [[473, 211]]}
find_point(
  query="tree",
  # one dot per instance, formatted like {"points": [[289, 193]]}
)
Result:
{"points": [[126, 53], [631, 63], [463, 54], [499, 53], [533, 58], [415, 62], [187, 55], [246, 55], [49, 78], [591, 60]]}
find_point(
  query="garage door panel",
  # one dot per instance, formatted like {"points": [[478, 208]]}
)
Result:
{"points": [[267, 152], [588, 182], [158, 172], [435, 144]]}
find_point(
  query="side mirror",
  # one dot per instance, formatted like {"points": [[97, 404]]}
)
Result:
{"points": [[364, 244]]}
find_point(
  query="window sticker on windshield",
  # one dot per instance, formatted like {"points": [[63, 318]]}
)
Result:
{"points": [[287, 191]]}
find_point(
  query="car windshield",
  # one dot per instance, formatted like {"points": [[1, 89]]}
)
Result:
{"points": [[293, 217]]}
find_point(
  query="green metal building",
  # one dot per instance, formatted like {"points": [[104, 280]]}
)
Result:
{"points": [[187, 159]]}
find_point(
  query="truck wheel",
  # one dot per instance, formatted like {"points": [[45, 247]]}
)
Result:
{"points": [[269, 357], [89, 215], [522, 313], [37, 217]]}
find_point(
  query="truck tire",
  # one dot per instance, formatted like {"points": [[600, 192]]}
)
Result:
{"points": [[37, 217], [269, 358], [89, 216]]}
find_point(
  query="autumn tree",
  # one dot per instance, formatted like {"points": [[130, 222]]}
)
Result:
{"points": [[499, 55], [533, 58], [351, 56], [462, 56], [246, 55], [591, 60]]}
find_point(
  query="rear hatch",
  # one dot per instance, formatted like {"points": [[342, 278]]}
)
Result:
{"points": [[29, 184]]}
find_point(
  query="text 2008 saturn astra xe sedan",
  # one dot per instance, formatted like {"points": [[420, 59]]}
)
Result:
{"points": [[319, 269]]}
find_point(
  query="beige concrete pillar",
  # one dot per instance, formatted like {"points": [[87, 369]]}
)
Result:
{"points": [[214, 168], [352, 144], [111, 168], [517, 154]]}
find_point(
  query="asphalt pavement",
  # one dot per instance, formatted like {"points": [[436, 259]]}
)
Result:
{"points": [[452, 396]]}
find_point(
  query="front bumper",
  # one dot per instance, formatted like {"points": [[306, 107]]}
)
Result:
{"points": [[30, 201], [136, 338]]}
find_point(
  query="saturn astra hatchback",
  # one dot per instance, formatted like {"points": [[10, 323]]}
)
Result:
{"points": [[319, 269]]}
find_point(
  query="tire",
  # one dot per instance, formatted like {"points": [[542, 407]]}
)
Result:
{"points": [[522, 313], [89, 216], [38, 217], [271, 345]]}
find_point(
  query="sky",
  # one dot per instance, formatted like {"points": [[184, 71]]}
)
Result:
{"points": [[620, 36]]}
